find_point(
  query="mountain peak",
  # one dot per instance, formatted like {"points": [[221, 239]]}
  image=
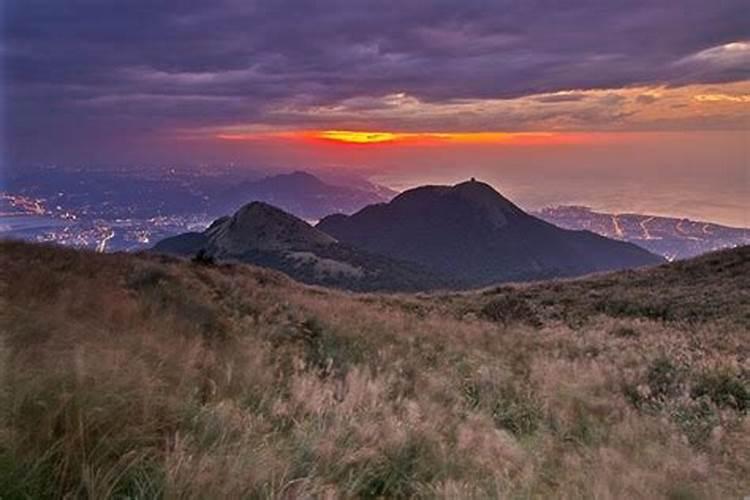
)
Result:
{"points": [[259, 208], [482, 194], [301, 193], [474, 199], [265, 235], [258, 225], [472, 231], [300, 175]]}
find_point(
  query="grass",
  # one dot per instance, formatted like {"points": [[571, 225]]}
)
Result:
{"points": [[134, 376]]}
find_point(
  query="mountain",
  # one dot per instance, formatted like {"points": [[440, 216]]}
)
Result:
{"points": [[670, 237], [471, 231], [144, 376], [264, 235], [303, 195]]}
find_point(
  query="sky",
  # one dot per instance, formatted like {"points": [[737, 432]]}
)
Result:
{"points": [[622, 105]]}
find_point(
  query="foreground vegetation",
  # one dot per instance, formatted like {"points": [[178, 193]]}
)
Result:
{"points": [[140, 376]]}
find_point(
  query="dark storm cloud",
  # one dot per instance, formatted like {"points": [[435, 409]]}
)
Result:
{"points": [[141, 65]]}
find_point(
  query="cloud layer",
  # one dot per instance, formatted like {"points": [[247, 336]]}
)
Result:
{"points": [[80, 70]]}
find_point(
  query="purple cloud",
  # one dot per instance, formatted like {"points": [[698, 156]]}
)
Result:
{"points": [[138, 66]]}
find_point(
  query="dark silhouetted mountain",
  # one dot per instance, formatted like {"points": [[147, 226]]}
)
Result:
{"points": [[303, 195], [473, 233], [671, 237], [264, 235]]}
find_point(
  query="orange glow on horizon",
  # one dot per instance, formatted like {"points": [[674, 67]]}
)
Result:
{"points": [[357, 137], [364, 138]]}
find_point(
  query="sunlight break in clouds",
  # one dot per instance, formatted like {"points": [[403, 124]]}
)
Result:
{"points": [[539, 118], [361, 137]]}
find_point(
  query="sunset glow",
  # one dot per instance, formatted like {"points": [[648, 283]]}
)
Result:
{"points": [[365, 138], [430, 93], [357, 137]]}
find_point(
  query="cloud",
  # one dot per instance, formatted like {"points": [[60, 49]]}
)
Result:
{"points": [[127, 66], [729, 55], [722, 98]]}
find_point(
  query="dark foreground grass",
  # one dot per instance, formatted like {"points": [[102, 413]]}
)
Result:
{"points": [[127, 376]]}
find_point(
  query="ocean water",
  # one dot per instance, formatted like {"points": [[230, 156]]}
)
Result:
{"points": [[23, 223], [698, 176]]}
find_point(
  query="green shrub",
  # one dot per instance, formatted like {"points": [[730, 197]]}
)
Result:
{"points": [[146, 276], [635, 308], [663, 378], [327, 352], [625, 332], [509, 309], [520, 412], [696, 421], [725, 389], [398, 472], [203, 258], [471, 393], [683, 492]]}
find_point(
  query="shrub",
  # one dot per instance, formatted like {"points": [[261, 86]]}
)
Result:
{"points": [[518, 411], [510, 309], [471, 393], [664, 381], [635, 308], [725, 389], [398, 472], [161, 293], [625, 332], [696, 421], [203, 258], [145, 276], [583, 429], [683, 492], [326, 352], [663, 378]]}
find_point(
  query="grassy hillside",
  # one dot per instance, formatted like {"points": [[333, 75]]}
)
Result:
{"points": [[142, 376]]}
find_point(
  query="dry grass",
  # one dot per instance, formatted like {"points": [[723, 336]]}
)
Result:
{"points": [[141, 377]]}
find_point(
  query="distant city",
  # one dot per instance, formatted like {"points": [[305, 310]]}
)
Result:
{"points": [[671, 237], [109, 210], [98, 210]]}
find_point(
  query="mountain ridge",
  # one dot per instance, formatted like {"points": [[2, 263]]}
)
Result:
{"points": [[471, 230], [261, 234], [461, 236], [303, 194]]}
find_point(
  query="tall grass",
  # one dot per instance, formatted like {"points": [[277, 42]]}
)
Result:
{"points": [[142, 377]]}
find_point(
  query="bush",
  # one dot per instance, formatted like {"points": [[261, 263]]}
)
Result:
{"points": [[625, 332], [518, 412], [635, 308], [398, 472], [725, 389], [161, 293], [510, 309], [326, 352], [203, 258], [696, 421], [146, 276], [664, 381], [663, 378]]}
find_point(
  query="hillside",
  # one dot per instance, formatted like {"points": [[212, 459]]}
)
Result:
{"points": [[266, 236], [146, 376], [471, 231]]}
